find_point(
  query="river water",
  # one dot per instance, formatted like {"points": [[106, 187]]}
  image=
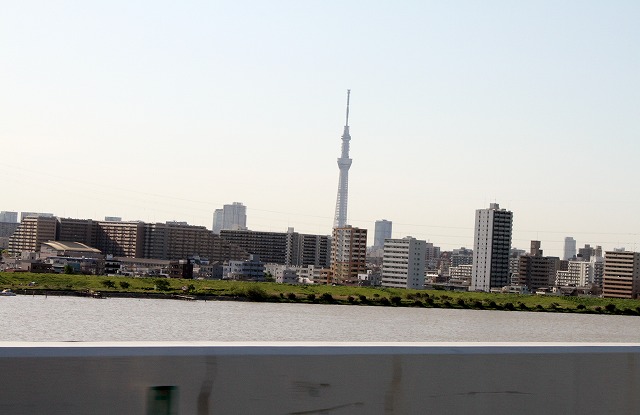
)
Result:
{"points": [[40, 318]]}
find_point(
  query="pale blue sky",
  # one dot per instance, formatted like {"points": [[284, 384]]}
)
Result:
{"points": [[159, 110]]}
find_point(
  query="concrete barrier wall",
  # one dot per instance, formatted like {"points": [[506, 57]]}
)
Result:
{"points": [[313, 378]]}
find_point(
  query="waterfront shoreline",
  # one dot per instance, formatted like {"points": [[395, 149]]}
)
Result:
{"points": [[196, 290]]}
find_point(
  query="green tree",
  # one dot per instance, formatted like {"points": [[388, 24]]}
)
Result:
{"points": [[109, 284], [124, 285], [327, 298], [255, 293], [68, 269], [162, 284]]}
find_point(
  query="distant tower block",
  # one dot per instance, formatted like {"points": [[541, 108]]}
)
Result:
{"points": [[344, 163], [382, 232], [569, 248]]}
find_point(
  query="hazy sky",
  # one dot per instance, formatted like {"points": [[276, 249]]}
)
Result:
{"points": [[166, 110]]}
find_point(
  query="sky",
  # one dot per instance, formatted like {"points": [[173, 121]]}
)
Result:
{"points": [[162, 110]]}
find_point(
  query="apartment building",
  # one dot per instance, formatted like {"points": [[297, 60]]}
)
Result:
{"points": [[121, 238], [308, 249], [403, 263], [8, 228], [578, 274], [176, 240], [460, 275], [348, 254], [621, 277], [271, 247], [287, 248], [31, 233], [461, 256], [77, 230], [492, 243], [535, 270]]}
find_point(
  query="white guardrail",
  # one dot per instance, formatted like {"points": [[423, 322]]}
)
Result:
{"points": [[319, 378]]}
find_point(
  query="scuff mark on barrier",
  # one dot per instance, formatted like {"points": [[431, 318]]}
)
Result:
{"points": [[482, 393], [394, 393], [207, 386], [310, 388], [325, 410]]}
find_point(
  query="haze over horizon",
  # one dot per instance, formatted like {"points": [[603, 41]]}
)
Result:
{"points": [[160, 111]]}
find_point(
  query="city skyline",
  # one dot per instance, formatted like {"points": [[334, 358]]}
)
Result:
{"points": [[189, 106]]}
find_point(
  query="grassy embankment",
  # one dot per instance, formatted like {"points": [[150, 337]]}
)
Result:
{"points": [[69, 284]]}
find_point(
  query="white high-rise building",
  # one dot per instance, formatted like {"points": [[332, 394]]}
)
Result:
{"points": [[569, 248], [491, 246], [230, 217], [578, 274], [403, 263], [382, 232]]}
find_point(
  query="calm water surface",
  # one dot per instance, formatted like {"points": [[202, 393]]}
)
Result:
{"points": [[39, 318]]}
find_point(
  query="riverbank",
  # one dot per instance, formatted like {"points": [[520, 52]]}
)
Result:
{"points": [[217, 290]]}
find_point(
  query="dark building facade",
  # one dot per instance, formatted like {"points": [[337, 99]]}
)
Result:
{"points": [[537, 271], [286, 248]]}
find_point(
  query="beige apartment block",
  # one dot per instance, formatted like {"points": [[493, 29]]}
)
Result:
{"points": [[348, 254], [77, 230], [288, 248], [31, 233], [121, 238], [177, 241], [621, 277]]}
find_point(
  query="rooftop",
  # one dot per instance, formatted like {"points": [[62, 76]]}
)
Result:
{"points": [[71, 246]]}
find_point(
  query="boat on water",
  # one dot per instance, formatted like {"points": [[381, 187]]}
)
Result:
{"points": [[7, 293]]}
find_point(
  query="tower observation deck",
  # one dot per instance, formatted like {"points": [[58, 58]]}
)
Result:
{"points": [[344, 163]]}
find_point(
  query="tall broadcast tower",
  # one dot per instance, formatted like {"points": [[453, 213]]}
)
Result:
{"points": [[344, 162]]}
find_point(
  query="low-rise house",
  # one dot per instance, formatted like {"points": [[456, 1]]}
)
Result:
{"points": [[249, 270]]}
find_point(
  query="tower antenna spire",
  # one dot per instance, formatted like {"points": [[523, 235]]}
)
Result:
{"points": [[344, 162], [348, 95]]}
